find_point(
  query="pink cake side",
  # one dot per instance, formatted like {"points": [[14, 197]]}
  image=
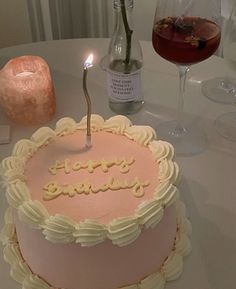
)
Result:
{"points": [[103, 266]]}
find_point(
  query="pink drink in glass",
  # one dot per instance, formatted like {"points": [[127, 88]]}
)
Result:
{"points": [[185, 40]]}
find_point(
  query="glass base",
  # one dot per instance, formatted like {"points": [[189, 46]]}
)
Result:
{"points": [[220, 89], [187, 142], [226, 125]]}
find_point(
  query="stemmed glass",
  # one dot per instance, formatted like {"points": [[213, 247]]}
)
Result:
{"points": [[223, 89], [226, 123], [184, 32]]}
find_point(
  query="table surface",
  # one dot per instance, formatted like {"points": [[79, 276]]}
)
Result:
{"points": [[207, 186]]}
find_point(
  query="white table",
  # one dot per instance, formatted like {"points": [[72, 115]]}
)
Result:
{"points": [[208, 186]]}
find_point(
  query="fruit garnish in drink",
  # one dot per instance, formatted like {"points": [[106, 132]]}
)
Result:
{"points": [[185, 40]]}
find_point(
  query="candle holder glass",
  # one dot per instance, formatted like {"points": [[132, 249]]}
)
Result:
{"points": [[26, 90]]}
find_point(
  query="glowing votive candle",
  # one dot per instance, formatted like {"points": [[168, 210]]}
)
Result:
{"points": [[26, 90]]}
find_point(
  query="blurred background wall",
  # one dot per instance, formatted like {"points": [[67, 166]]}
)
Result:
{"points": [[14, 23], [24, 21]]}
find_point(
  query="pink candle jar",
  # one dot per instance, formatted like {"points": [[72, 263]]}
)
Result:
{"points": [[26, 90]]}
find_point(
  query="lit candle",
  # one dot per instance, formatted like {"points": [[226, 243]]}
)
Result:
{"points": [[88, 63], [26, 90]]}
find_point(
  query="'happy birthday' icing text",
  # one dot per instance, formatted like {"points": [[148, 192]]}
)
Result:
{"points": [[53, 190]]}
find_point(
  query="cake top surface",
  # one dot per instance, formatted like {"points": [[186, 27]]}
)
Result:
{"points": [[74, 193], [72, 180]]}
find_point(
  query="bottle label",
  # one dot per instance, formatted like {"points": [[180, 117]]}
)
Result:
{"points": [[124, 87]]}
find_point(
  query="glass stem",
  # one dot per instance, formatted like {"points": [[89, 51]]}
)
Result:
{"points": [[180, 129]]}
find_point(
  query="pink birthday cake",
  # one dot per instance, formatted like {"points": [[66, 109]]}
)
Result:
{"points": [[101, 217]]}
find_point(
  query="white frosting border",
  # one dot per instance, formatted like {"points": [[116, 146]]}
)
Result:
{"points": [[171, 269], [61, 229]]}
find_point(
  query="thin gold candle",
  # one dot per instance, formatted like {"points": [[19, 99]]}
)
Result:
{"points": [[88, 63]]}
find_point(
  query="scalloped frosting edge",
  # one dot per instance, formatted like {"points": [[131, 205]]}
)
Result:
{"points": [[171, 269], [121, 231]]}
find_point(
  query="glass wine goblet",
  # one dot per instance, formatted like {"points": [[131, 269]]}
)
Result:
{"points": [[226, 123], [223, 89], [185, 32]]}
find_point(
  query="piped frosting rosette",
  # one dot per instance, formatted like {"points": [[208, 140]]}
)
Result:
{"points": [[62, 229]]}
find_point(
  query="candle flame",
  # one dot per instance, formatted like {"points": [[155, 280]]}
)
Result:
{"points": [[89, 62]]}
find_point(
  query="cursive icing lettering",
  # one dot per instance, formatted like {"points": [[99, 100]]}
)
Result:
{"points": [[65, 165], [53, 190], [122, 163]]}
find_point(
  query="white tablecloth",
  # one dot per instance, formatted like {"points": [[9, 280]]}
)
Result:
{"points": [[208, 186]]}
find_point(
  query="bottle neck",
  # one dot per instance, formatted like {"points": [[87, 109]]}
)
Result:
{"points": [[129, 4], [125, 54], [119, 15]]}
